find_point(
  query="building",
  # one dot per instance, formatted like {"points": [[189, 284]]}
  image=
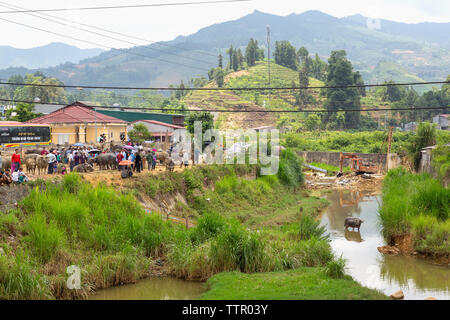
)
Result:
{"points": [[176, 119], [78, 122], [441, 121], [158, 129]]}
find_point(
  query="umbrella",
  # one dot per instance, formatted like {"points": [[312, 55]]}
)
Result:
{"points": [[128, 147], [125, 163], [154, 150], [94, 150], [79, 145]]}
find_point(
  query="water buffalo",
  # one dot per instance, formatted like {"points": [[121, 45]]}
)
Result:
{"points": [[41, 164], [353, 223], [161, 156], [30, 163], [84, 167], [170, 164], [6, 162], [105, 161]]}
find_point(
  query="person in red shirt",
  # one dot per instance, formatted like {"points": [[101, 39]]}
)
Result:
{"points": [[44, 152], [119, 158], [15, 160]]}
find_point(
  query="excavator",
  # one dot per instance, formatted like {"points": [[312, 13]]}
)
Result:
{"points": [[357, 165]]}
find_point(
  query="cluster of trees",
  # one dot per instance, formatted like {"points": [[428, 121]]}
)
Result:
{"points": [[287, 55], [407, 97]]}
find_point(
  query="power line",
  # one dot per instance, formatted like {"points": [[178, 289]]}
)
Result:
{"points": [[101, 45], [102, 35], [126, 6], [113, 32], [241, 111], [224, 89]]}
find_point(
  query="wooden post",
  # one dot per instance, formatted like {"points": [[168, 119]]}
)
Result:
{"points": [[388, 148], [187, 223]]}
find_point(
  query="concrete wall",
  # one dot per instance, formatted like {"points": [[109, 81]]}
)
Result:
{"points": [[332, 158]]}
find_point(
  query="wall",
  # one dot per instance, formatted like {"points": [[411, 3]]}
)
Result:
{"points": [[333, 158]]}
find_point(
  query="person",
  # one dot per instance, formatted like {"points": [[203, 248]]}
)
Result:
{"points": [[44, 152], [51, 161], [63, 170], [15, 160], [5, 177], [149, 158], [185, 159], [119, 158], [15, 176], [153, 161], [76, 159], [1, 165], [132, 159], [138, 162], [22, 176], [71, 162]]}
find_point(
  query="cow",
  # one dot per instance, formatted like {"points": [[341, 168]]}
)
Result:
{"points": [[6, 162], [84, 167], [161, 156], [352, 223]]}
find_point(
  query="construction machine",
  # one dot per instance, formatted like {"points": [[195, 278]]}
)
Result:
{"points": [[357, 165]]}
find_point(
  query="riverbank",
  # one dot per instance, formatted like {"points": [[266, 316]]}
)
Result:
{"points": [[242, 223], [415, 215]]}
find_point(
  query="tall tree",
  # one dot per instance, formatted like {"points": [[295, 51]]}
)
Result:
{"points": [[304, 82], [23, 112], [285, 54], [340, 73], [230, 52], [220, 61]]}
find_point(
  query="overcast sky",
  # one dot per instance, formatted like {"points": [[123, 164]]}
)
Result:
{"points": [[166, 23]]}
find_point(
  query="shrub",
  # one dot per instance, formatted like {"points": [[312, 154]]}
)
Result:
{"points": [[336, 268]]}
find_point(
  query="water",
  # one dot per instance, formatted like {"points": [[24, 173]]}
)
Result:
{"points": [[165, 288], [417, 278]]}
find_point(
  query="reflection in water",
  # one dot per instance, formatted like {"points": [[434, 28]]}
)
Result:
{"points": [[417, 278], [353, 235], [153, 289]]}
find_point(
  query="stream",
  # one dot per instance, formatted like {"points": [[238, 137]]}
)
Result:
{"points": [[417, 278]]}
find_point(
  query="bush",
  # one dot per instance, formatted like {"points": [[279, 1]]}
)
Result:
{"points": [[336, 268]]}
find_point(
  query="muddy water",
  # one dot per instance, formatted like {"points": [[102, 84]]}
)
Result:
{"points": [[417, 278], [165, 288]]}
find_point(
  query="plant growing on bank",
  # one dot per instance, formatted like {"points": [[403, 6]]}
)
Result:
{"points": [[417, 205]]}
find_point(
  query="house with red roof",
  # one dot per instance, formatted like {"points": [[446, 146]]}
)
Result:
{"points": [[160, 131], [79, 122]]}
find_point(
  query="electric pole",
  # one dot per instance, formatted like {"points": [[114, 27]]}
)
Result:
{"points": [[268, 56]]}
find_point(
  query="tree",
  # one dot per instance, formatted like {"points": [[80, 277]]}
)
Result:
{"points": [[392, 92], [285, 54], [24, 112], [219, 77], [206, 118], [139, 133], [340, 73], [220, 61], [235, 64], [230, 54], [240, 58], [312, 122], [319, 68], [360, 82], [304, 82], [45, 94], [425, 136]]}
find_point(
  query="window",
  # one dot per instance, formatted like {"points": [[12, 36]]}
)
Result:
{"points": [[63, 138]]}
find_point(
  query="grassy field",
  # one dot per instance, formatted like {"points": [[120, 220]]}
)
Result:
{"points": [[416, 205], [298, 284]]}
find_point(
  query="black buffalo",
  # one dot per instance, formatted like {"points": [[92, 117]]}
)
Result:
{"points": [[105, 161], [353, 223]]}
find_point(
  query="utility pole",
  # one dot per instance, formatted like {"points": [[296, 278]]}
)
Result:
{"points": [[268, 56], [388, 148]]}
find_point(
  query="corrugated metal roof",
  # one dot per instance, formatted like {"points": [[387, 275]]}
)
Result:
{"points": [[134, 116], [161, 124], [76, 112]]}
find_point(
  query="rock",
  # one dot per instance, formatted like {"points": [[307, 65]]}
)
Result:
{"points": [[389, 250], [397, 295], [431, 298]]}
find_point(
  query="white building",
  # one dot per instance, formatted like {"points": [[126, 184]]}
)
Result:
{"points": [[441, 121], [159, 130]]}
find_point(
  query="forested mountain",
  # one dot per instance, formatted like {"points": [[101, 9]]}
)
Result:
{"points": [[49, 55], [396, 50]]}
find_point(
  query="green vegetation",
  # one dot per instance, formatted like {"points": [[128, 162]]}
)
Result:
{"points": [[425, 136], [139, 133], [298, 284], [417, 205]]}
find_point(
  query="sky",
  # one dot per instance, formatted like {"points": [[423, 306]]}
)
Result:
{"points": [[166, 23]]}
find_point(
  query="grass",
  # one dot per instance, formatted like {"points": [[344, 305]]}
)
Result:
{"points": [[419, 205], [299, 284]]}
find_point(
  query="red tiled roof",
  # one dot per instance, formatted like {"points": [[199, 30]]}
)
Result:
{"points": [[76, 112], [161, 124], [17, 123]]}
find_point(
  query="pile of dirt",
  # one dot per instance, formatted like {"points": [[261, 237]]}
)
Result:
{"points": [[349, 181]]}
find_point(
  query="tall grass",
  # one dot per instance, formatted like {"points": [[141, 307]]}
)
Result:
{"points": [[419, 205]]}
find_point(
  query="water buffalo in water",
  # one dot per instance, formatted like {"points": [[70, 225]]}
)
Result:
{"points": [[105, 161], [353, 223]]}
